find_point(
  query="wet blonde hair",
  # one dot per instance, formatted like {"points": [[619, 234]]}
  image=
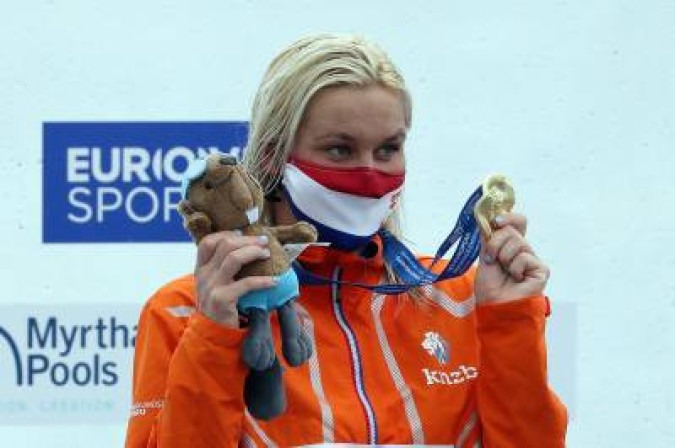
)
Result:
{"points": [[289, 84]]}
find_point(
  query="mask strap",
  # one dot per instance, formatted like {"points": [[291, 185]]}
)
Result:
{"points": [[413, 274]]}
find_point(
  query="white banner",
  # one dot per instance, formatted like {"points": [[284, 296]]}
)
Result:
{"points": [[66, 364]]}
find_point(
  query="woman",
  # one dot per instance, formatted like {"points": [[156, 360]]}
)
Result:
{"points": [[458, 363]]}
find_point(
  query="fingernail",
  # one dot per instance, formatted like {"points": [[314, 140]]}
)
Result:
{"points": [[500, 220], [262, 239], [266, 253], [238, 232], [275, 280], [488, 259]]}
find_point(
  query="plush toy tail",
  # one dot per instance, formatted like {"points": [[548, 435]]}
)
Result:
{"points": [[264, 392]]}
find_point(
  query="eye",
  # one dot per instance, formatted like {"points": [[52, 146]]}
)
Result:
{"points": [[338, 152], [208, 185], [386, 152]]}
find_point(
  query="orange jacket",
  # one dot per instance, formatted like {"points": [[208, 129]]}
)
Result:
{"points": [[385, 370]]}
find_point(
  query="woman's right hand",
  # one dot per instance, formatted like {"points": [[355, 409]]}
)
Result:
{"points": [[220, 256]]}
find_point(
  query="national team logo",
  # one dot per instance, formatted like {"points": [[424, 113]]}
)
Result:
{"points": [[436, 346]]}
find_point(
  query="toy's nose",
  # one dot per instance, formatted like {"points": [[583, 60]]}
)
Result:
{"points": [[227, 159]]}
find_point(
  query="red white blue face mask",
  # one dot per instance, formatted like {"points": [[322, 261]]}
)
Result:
{"points": [[346, 205]]}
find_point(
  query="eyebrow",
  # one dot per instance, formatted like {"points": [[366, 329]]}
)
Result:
{"points": [[399, 135], [336, 135]]}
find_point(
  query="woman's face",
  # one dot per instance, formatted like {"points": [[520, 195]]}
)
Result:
{"points": [[347, 127]]}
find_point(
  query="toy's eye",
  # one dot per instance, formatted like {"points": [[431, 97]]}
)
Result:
{"points": [[208, 185], [228, 160]]}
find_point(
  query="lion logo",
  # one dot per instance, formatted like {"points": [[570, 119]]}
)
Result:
{"points": [[436, 346]]}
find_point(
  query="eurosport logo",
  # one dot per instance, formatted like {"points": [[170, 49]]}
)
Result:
{"points": [[120, 182], [67, 363]]}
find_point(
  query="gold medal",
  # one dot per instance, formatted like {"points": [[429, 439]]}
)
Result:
{"points": [[498, 198]]}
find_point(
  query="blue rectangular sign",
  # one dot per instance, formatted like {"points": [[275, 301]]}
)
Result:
{"points": [[120, 181]]}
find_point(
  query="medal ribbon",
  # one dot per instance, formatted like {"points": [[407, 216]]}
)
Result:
{"points": [[465, 235]]}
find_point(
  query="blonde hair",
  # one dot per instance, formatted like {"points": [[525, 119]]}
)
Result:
{"points": [[291, 81]]}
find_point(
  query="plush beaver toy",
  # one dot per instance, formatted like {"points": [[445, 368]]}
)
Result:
{"points": [[219, 194]]}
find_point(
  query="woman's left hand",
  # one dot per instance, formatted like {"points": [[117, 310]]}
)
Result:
{"points": [[508, 268]]}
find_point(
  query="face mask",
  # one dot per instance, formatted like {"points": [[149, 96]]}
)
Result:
{"points": [[346, 205]]}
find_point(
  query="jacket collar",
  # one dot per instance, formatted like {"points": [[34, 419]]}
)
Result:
{"points": [[371, 254]]}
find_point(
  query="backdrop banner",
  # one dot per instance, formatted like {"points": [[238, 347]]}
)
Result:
{"points": [[66, 363], [120, 181]]}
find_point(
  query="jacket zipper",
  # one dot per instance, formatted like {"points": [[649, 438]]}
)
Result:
{"points": [[357, 367]]}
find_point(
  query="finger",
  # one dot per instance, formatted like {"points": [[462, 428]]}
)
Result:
{"points": [[236, 242], [498, 239], [232, 292], [208, 245], [214, 247], [512, 247], [484, 256], [515, 220], [528, 265], [236, 259], [221, 303]]}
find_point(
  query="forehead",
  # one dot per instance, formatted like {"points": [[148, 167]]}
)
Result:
{"points": [[355, 110]]}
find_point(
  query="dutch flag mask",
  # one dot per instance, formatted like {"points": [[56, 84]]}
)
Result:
{"points": [[346, 205]]}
